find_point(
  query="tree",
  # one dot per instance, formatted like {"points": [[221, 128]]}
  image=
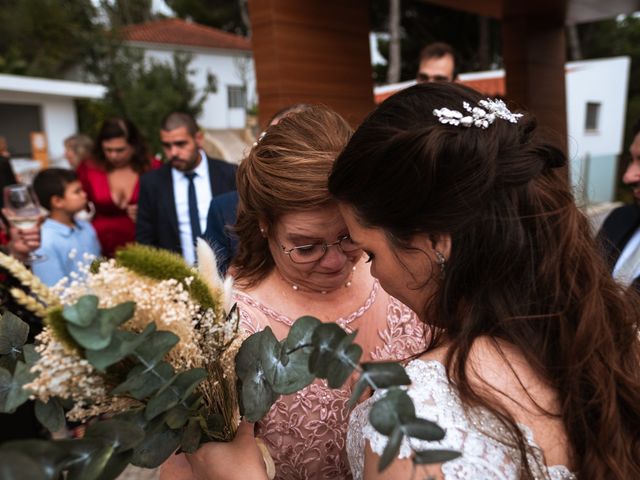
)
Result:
{"points": [[43, 38], [143, 91], [228, 15], [126, 12]]}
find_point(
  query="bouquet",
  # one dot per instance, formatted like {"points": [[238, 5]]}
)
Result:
{"points": [[143, 340]]}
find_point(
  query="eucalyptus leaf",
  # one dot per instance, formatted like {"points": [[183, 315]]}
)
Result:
{"points": [[95, 336], [426, 457], [177, 417], [122, 345], [286, 372], [423, 429], [142, 382], [177, 390], [344, 361], [83, 312], [156, 347], [50, 414], [257, 399], [326, 338], [52, 457], [13, 334], [16, 395], [116, 464], [378, 375], [15, 465], [30, 355], [256, 395], [391, 449], [118, 314], [388, 412], [119, 434], [93, 456], [158, 444], [6, 379], [191, 436], [301, 332]]}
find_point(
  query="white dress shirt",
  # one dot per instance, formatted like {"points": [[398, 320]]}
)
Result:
{"points": [[181, 197], [625, 256]]}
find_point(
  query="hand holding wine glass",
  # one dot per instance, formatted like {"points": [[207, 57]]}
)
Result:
{"points": [[22, 209]]}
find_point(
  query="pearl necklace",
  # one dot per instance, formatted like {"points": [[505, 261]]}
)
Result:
{"points": [[347, 284]]}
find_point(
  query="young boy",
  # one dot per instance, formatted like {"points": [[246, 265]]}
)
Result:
{"points": [[65, 240]]}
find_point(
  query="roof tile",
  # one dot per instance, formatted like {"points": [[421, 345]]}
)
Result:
{"points": [[176, 31]]}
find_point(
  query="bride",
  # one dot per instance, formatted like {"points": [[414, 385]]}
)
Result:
{"points": [[533, 366]]}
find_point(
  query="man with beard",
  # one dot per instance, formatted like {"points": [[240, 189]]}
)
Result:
{"points": [[174, 199], [620, 233]]}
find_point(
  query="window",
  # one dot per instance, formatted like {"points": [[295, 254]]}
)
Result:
{"points": [[237, 96], [593, 117]]}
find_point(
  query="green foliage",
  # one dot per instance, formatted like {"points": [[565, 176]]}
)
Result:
{"points": [[43, 38], [146, 436], [126, 12], [143, 91], [50, 414], [13, 335], [227, 14], [267, 368], [56, 322], [164, 265]]}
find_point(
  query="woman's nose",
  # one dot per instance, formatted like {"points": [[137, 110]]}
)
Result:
{"points": [[334, 258]]}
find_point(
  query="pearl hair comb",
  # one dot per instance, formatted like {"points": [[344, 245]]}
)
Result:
{"points": [[481, 116]]}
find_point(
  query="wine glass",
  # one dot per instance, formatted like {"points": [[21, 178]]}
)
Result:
{"points": [[23, 209]]}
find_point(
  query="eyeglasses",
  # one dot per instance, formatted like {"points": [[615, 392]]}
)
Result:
{"points": [[315, 251]]}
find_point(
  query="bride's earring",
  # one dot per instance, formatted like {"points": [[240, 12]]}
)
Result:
{"points": [[441, 261]]}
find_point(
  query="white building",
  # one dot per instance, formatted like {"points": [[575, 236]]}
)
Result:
{"points": [[31, 104], [224, 55], [596, 92]]}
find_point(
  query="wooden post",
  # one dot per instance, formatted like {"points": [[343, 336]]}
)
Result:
{"points": [[312, 51], [533, 45]]}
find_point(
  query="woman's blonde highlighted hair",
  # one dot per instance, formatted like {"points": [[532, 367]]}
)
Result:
{"points": [[286, 171]]}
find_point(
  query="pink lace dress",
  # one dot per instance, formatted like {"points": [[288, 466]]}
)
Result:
{"points": [[306, 431]]}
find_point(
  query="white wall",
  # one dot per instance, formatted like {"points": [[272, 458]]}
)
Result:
{"points": [[58, 118], [228, 67], [593, 153]]}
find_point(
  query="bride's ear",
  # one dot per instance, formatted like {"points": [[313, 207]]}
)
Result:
{"points": [[441, 243], [431, 243]]}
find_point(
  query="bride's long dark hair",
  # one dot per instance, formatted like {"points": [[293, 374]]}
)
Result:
{"points": [[523, 269]]}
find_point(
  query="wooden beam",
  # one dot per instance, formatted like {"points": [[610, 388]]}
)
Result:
{"points": [[534, 52], [313, 51]]}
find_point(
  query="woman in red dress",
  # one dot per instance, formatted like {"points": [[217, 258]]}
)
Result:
{"points": [[111, 179]]}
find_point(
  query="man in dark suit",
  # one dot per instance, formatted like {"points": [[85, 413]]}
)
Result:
{"points": [[174, 199], [620, 233], [220, 220]]}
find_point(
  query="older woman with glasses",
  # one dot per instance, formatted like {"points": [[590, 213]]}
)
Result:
{"points": [[295, 258]]}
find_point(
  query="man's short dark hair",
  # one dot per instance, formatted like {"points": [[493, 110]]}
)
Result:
{"points": [[439, 50], [180, 119], [436, 50], [52, 182]]}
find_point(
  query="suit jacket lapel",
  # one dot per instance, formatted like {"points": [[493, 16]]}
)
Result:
{"points": [[213, 178], [170, 206]]}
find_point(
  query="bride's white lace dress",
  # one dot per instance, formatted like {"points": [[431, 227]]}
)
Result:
{"points": [[473, 434]]}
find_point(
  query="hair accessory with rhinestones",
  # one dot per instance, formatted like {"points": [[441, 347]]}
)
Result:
{"points": [[481, 116]]}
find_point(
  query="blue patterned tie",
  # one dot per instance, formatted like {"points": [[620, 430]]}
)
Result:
{"points": [[194, 217]]}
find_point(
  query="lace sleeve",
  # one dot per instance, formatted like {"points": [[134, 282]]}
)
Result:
{"points": [[476, 436]]}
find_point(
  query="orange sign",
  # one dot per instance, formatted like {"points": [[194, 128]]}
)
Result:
{"points": [[39, 148]]}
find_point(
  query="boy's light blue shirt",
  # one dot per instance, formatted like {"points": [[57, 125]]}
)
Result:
{"points": [[58, 241]]}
